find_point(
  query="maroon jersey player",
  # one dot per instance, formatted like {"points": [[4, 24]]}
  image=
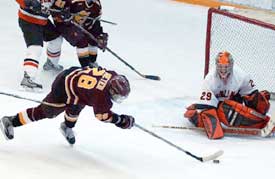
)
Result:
{"points": [[71, 91], [87, 14]]}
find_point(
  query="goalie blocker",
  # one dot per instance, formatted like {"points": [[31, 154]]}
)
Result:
{"points": [[233, 114]]}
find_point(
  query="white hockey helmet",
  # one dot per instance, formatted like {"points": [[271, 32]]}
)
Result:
{"points": [[224, 64]]}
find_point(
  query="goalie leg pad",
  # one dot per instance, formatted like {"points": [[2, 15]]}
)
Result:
{"points": [[193, 115], [232, 113], [212, 124], [207, 119]]}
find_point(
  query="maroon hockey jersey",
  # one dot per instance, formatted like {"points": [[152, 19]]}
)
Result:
{"points": [[78, 87]]}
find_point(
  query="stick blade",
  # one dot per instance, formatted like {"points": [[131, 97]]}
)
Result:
{"points": [[212, 156], [152, 77]]}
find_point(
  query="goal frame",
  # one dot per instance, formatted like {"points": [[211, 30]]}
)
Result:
{"points": [[211, 11]]}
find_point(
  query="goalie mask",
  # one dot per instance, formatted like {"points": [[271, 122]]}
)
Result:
{"points": [[119, 88], [224, 65]]}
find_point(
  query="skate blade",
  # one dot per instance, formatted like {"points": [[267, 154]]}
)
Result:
{"points": [[3, 130], [62, 132]]}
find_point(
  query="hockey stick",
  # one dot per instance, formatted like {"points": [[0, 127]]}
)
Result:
{"points": [[228, 130], [94, 19], [58, 105], [151, 77], [201, 159], [74, 14], [107, 22]]}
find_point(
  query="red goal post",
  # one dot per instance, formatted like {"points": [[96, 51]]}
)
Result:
{"points": [[251, 43]]}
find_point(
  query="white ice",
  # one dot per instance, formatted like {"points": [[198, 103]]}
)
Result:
{"points": [[157, 37]]}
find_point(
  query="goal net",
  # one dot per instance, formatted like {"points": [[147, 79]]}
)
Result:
{"points": [[251, 43]]}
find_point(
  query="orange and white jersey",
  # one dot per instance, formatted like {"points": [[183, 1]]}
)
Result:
{"points": [[34, 17], [214, 89]]}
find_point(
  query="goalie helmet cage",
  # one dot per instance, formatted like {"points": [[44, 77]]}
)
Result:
{"points": [[251, 43]]}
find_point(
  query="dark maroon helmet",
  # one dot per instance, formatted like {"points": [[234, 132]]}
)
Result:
{"points": [[89, 3], [119, 88], [95, 8]]}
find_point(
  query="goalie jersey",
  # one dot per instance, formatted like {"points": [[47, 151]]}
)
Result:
{"points": [[214, 89]]}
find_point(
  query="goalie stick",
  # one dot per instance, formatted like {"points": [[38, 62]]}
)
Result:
{"points": [[227, 130], [201, 159], [270, 126]]}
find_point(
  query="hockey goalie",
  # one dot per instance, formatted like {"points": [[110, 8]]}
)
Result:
{"points": [[230, 98]]}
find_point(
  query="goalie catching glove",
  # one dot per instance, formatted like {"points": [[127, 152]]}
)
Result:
{"points": [[258, 101]]}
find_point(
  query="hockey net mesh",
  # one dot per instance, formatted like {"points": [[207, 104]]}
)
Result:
{"points": [[251, 43]]}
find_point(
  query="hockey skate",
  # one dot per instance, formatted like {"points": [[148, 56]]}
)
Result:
{"points": [[268, 129], [7, 127], [29, 85], [49, 66], [68, 133]]}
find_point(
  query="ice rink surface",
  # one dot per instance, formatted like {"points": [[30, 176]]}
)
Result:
{"points": [[157, 37]]}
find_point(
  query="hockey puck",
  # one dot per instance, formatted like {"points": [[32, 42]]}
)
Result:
{"points": [[216, 161]]}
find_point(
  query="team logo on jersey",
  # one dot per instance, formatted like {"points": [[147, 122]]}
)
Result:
{"points": [[225, 94]]}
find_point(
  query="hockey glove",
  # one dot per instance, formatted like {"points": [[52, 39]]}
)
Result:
{"points": [[125, 121], [45, 10], [33, 5], [102, 41], [66, 15]]}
